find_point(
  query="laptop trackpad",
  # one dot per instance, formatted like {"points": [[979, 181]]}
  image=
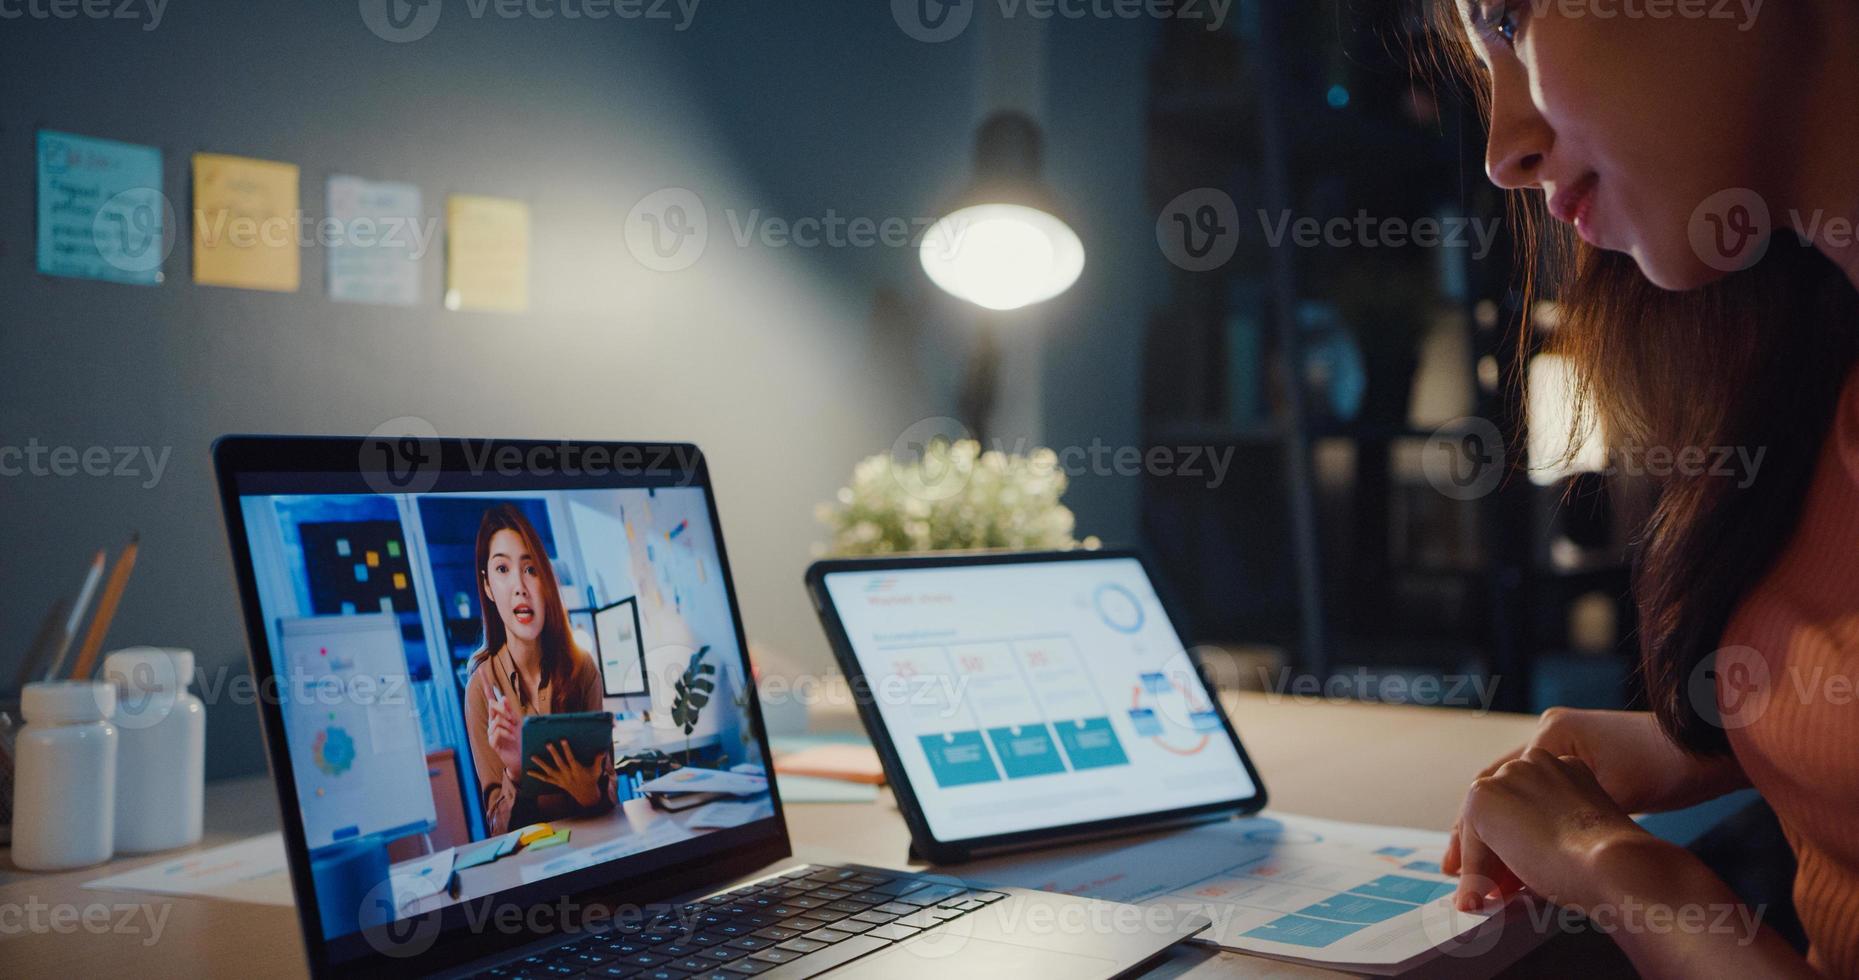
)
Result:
{"points": [[976, 959]]}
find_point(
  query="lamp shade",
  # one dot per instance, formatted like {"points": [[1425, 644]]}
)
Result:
{"points": [[1003, 244]]}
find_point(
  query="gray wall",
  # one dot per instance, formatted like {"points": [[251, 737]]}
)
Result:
{"points": [[766, 357]]}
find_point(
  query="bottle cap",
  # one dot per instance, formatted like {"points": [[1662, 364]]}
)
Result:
{"points": [[67, 702], [150, 669]]}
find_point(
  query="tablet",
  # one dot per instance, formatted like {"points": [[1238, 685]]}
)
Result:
{"points": [[1019, 699], [589, 735]]}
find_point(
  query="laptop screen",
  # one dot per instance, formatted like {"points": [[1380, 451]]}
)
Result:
{"points": [[483, 689]]}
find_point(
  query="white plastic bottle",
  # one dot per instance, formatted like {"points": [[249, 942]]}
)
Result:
{"points": [[64, 780], [161, 750]]}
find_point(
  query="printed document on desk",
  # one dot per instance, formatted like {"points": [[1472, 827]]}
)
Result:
{"points": [[1357, 897]]}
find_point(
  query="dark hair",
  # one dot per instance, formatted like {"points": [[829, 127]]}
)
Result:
{"points": [[557, 643], [1755, 360]]}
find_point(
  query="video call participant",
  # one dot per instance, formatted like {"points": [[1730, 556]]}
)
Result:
{"points": [[529, 665]]}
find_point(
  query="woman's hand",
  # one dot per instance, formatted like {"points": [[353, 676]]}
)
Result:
{"points": [[501, 731], [561, 770], [1637, 766], [1543, 821]]}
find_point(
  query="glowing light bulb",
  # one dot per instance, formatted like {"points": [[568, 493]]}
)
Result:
{"points": [[1002, 256]]}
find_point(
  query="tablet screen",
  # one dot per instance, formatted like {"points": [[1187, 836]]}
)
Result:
{"points": [[1025, 696]]}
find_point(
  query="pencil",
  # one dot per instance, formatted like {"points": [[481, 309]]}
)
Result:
{"points": [[106, 610], [77, 610]]}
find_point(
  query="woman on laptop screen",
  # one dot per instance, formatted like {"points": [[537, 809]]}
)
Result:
{"points": [[529, 665]]}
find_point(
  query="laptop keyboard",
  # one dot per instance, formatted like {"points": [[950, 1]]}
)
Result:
{"points": [[802, 916]]}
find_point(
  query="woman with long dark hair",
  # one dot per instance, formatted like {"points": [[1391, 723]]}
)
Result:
{"points": [[1658, 144], [529, 665]]}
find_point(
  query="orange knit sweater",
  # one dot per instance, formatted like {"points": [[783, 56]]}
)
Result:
{"points": [[1790, 695]]}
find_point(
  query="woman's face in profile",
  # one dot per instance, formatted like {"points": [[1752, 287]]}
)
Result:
{"points": [[1632, 116], [512, 583]]}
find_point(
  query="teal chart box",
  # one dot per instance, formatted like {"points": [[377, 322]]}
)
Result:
{"points": [[101, 211], [1026, 751], [959, 758], [1091, 743]]}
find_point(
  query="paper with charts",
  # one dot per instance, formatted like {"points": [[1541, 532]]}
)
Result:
{"points": [[1351, 896]]}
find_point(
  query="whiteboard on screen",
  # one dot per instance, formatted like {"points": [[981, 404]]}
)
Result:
{"points": [[354, 729]]}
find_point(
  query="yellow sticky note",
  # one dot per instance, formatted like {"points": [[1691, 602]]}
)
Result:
{"points": [[486, 254], [246, 223], [400, 580]]}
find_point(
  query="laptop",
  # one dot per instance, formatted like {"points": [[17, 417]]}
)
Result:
{"points": [[414, 604]]}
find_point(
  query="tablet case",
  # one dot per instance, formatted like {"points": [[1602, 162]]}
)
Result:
{"points": [[589, 734]]}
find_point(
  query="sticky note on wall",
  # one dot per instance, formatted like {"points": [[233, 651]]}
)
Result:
{"points": [[379, 237], [101, 211], [486, 254], [246, 223]]}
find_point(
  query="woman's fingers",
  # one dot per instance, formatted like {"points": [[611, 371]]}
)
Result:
{"points": [[1454, 857]]}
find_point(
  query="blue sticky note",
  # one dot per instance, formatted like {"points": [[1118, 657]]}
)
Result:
{"points": [[101, 211], [1301, 931], [1430, 867], [1399, 852], [1145, 722], [379, 236]]}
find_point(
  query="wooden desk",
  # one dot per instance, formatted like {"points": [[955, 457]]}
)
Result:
{"points": [[1367, 763]]}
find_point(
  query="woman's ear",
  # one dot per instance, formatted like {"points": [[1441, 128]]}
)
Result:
{"points": [[484, 586]]}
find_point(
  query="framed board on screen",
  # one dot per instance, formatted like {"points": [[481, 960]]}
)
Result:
{"points": [[620, 647]]}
